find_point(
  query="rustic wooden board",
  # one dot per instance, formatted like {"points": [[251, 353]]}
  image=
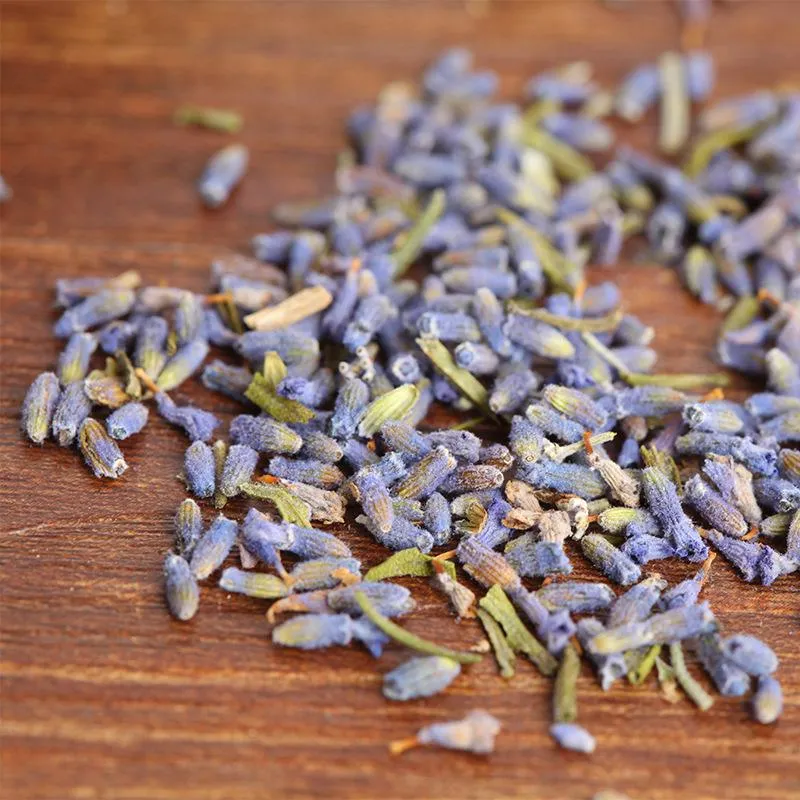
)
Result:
{"points": [[104, 696]]}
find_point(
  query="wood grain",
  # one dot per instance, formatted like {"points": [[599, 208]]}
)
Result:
{"points": [[103, 695]]}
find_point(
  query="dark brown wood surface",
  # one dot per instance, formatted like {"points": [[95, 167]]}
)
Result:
{"points": [[103, 694]]}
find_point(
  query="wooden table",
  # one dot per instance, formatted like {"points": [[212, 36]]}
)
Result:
{"points": [[104, 695]]}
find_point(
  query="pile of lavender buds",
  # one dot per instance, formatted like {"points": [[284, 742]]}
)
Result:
{"points": [[339, 354]]}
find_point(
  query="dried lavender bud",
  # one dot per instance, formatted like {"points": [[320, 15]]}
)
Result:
{"points": [[475, 733], [567, 478], [735, 485], [636, 604], [180, 588], [322, 573], [324, 476], [427, 474], [472, 478], [149, 353], [317, 631], [575, 405], [538, 337], [767, 404], [240, 463], [437, 518], [728, 678], [371, 492], [571, 736], [264, 435], [199, 469], [223, 172], [644, 548], [662, 498], [713, 509], [402, 535], [99, 450], [213, 548], [229, 380], [188, 526], [553, 423], [420, 677], [785, 428], [198, 424], [389, 599], [259, 534], [712, 417], [759, 460], [775, 493], [526, 440], [575, 597], [749, 654], [767, 703], [532, 559], [39, 406], [485, 565], [126, 421], [253, 584], [73, 363], [649, 401], [72, 409], [106, 305], [612, 562], [182, 365], [351, 402]]}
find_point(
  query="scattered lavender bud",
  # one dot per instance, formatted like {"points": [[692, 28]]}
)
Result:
{"points": [[127, 420], [199, 469], [180, 587], [575, 597], [767, 703], [39, 407], [72, 409], [264, 435], [106, 305], [728, 678], [475, 733], [182, 365], [420, 677], [749, 654], [99, 450], [73, 363], [662, 498], [713, 508], [571, 736], [197, 424], [188, 526], [611, 561], [240, 463], [644, 548], [223, 172], [213, 547]]}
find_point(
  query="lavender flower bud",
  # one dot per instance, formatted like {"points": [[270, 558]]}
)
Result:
{"points": [[127, 420]]}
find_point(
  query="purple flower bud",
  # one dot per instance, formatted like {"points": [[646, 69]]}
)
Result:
{"points": [[713, 508], [223, 172], [106, 305], [420, 677], [199, 469], [767, 704], [100, 451], [39, 406], [182, 365], [198, 424], [571, 736], [72, 409], [611, 561], [662, 498], [73, 362], [127, 420], [213, 548], [180, 587], [728, 678]]}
